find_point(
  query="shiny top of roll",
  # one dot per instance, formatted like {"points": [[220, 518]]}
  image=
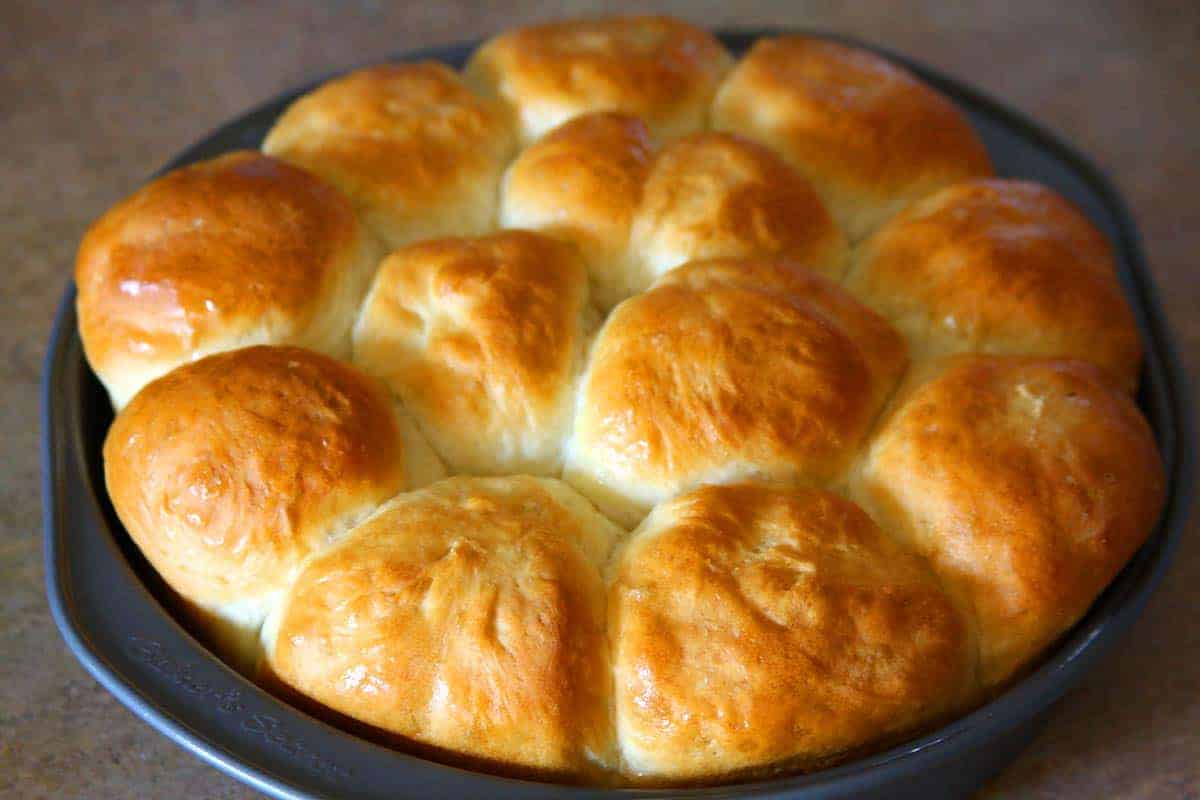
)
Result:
{"points": [[242, 249], [661, 69], [466, 618], [867, 133], [728, 368], [756, 628], [715, 195], [483, 339], [418, 152], [228, 471], [1026, 482], [1000, 266]]}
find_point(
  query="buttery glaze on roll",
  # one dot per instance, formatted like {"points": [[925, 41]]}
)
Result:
{"points": [[483, 339], [727, 369], [418, 152], [1027, 483], [239, 250], [229, 471], [660, 69], [1006, 267], [756, 628], [468, 618], [870, 137]]}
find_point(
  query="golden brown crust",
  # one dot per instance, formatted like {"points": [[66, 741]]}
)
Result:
{"points": [[657, 68], [754, 627], [727, 369], [869, 136], [1005, 267], [715, 195], [581, 183], [483, 340], [242, 249], [418, 153], [468, 617], [228, 471], [1027, 482]]}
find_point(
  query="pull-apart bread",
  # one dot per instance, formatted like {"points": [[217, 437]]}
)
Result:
{"points": [[618, 412]]}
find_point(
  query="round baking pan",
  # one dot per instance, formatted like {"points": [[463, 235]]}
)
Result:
{"points": [[111, 607]]}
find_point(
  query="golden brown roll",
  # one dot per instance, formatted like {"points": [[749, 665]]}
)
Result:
{"points": [[727, 369], [869, 136], [715, 195], [229, 471], [239, 250], [467, 619], [755, 627], [1027, 483], [658, 68], [418, 152], [1000, 267], [581, 183], [483, 340]]}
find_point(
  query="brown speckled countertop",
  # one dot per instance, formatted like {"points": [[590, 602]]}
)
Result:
{"points": [[92, 99]]}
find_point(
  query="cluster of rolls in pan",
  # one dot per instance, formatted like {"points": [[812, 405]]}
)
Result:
{"points": [[613, 411]]}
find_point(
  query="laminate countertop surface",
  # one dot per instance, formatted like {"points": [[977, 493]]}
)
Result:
{"points": [[94, 97]]}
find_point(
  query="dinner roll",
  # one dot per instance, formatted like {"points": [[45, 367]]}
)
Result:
{"points": [[239, 250], [229, 471], [1026, 482], [869, 136], [726, 369], [418, 153], [714, 195], [466, 619], [483, 340], [658, 68], [1000, 267], [756, 628], [581, 182]]}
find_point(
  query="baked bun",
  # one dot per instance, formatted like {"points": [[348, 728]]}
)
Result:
{"points": [[998, 266], [869, 136], [229, 471], [1027, 483], [757, 628], [634, 215], [483, 340], [727, 369], [239, 250], [466, 619], [658, 68], [582, 183], [714, 195], [418, 152]]}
